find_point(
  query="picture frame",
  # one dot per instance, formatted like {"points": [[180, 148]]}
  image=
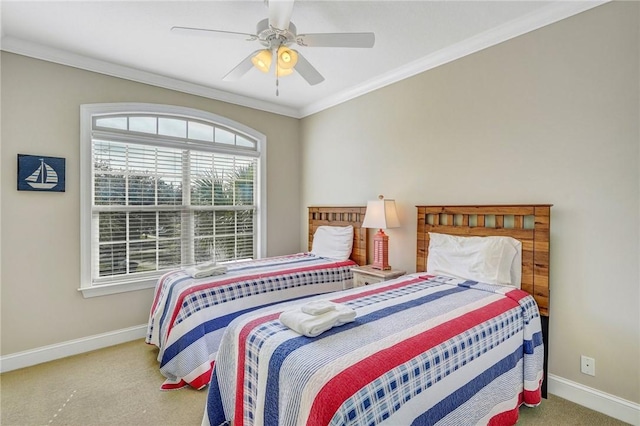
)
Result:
{"points": [[41, 173]]}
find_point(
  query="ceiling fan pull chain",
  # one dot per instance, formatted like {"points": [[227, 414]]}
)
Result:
{"points": [[277, 74]]}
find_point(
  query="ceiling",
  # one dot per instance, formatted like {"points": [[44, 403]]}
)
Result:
{"points": [[132, 39]]}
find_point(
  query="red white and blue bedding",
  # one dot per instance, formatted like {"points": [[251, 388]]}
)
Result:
{"points": [[422, 350], [188, 316]]}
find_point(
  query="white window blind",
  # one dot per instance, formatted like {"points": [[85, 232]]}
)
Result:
{"points": [[167, 192]]}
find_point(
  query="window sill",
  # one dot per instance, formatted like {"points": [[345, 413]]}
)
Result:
{"points": [[107, 289]]}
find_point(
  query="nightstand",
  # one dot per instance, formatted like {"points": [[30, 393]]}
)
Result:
{"points": [[365, 275]]}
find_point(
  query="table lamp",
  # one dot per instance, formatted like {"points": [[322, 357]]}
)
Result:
{"points": [[381, 214]]}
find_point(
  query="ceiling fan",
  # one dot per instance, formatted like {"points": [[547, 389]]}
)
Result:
{"points": [[276, 34]]}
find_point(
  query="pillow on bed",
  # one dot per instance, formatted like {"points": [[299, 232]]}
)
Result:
{"points": [[334, 242], [493, 260], [516, 265]]}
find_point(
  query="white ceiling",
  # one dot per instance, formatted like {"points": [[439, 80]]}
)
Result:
{"points": [[132, 39]]}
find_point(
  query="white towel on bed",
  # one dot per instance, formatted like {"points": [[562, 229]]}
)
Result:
{"points": [[314, 325], [205, 270], [318, 307]]}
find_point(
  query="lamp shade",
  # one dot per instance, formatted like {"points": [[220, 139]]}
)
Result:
{"points": [[381, 214], [262, 60]]}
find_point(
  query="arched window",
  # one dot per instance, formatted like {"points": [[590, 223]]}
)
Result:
{"points": [[163, 187]]}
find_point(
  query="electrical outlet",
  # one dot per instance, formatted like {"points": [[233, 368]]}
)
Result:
{"points": [[588, 365]]}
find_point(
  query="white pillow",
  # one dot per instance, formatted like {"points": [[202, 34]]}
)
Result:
{"points": [[334, 242], [516, 265], [484, 259]]}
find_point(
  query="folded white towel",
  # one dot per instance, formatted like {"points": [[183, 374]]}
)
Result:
{"points": [[205, 266], [205, 270], [318, 307], [314, 325]]}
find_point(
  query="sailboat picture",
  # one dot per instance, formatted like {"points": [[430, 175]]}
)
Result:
{"points": [[39, 173]]}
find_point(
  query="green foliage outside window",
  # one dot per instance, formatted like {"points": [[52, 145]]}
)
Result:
{"points": [[152, 239]]}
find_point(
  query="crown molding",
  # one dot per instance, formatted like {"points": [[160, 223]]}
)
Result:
{"points": [[37, 51], [533, 21], [554, 12]]}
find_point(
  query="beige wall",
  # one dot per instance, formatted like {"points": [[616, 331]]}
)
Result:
{"points": [[40, 231], [548, 117]]}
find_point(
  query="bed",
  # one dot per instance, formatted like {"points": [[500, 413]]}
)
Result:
{"points": [[188, 315], [423, 348]]}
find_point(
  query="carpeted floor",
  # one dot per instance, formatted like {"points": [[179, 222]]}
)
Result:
{"points": [[120, 386]]}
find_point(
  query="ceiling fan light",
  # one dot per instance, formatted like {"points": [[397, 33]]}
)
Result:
{"points": [[284, 71], [287, 58], [262, 60]]}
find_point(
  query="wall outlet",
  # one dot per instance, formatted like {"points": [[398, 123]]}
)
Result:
{"points": [[588, 365]]}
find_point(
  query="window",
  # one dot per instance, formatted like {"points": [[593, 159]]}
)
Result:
{"points": [[164, 187]]}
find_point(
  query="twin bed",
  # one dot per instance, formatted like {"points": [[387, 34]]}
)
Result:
{"points": [[425, 348], [189, 315]]}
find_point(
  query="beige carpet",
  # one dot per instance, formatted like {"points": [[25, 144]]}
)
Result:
{"points": [[120, 386]]}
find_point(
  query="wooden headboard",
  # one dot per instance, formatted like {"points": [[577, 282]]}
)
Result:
{"points": [[342, 216], [528, 223]]}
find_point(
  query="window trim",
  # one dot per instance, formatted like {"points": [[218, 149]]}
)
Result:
{"points": [[87, 112]]}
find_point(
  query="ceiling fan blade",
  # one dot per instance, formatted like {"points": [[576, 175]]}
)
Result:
{"points": [[280, 13], [337, 40], [213, 33], [241, 69], [307, 71]]}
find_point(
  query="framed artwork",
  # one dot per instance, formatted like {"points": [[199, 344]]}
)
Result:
{"points": [[41, 173]]}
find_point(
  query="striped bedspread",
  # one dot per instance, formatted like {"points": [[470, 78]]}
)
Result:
{"points": [[188, 316], [422, 350]]}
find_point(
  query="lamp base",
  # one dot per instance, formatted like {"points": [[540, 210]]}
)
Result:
{"points": [[381, 251], [381, 267]]}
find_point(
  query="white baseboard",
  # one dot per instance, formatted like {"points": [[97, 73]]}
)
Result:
{"points": [[594, 399], [71, 347], [605, 403]]}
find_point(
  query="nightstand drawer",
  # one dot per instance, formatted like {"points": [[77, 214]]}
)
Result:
{"points": [[360, 280], [365, 275]]}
